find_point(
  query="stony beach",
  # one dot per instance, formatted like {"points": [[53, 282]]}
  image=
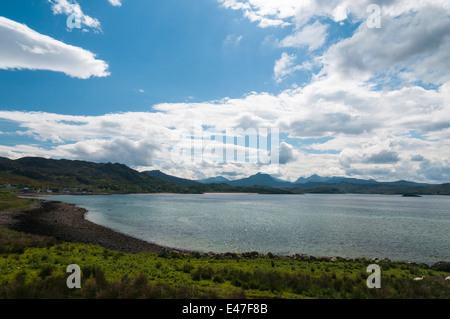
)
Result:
{"points": [[66, 222]]}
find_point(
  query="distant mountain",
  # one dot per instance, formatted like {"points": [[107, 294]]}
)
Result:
{"points": [[260, 179], [333, 180], [172, 179], [270, 181], [214, 180], [266, 180], [340, 185], [338, 180], [68, 175], [216, 185]]}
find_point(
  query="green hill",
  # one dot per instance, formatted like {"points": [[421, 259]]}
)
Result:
{"points": [[80, 176], [172, 179]]}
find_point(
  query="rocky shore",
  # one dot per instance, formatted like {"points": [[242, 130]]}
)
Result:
{"points": [[66, 222]]}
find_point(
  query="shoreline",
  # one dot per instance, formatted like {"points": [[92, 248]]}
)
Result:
{"points": [[66, 222]]}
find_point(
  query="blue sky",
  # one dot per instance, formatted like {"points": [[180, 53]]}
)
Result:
{"points": [[174, 51], [348, 99]]}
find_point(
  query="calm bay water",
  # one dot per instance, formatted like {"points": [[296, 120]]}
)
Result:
{"points": [[399, 228]]}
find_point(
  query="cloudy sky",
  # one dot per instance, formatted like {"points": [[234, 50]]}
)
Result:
{"points": [[355, 88]]}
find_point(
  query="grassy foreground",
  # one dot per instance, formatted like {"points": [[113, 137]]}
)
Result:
{"points": [[35, 267]]}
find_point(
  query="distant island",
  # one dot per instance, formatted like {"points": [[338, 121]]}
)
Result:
{"points": [[51, 176]]}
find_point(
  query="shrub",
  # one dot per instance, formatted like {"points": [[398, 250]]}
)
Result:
{"points": [[46, 271], [204, 273], [187, 268]]}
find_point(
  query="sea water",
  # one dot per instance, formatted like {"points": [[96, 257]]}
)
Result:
{"points": [[384, 226]]}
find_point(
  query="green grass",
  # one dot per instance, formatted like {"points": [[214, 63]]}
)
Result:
{"points": [[39, 271], [10, 201]]}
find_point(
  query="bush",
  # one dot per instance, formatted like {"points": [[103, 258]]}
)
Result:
{"points": [[187, 268], [203, 273], [218, 279], [46, 271], [441, 266]]}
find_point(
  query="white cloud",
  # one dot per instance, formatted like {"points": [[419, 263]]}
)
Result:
{"points": [[71, 7], [233, 39], [287, 153], [24, 48], [408, 48], [435, 170], [116, 3], [287, 12], [284, 66], [413, 43], [265, 13], [118, 149], [312, 36]]}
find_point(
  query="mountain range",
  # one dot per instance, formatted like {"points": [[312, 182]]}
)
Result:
{"points": [[214, 180], [87, 177], [320, 184], [270, 181]]}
